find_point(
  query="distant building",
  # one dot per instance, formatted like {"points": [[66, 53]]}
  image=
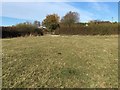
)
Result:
{"points": [[99, 21], [86, 25], [42, 27]]}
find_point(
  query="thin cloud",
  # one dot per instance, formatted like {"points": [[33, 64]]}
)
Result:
{"points": [[99, 7], [38, 11]]}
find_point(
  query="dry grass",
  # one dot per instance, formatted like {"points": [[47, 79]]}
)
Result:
{"points": [[60, 61]]}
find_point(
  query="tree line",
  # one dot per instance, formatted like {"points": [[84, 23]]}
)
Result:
{"points": [[69, 24]]}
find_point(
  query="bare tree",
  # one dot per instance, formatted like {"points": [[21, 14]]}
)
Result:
{"points": [[36, 23], [70, 18]]}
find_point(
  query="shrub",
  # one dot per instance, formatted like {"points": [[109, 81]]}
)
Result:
{"points": [[91, 29], [21, 30]]}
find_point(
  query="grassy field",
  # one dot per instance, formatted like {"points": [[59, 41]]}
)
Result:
{"points": [[60, 61]]}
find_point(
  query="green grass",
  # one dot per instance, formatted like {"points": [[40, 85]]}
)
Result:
{"points": [[60, 61]]}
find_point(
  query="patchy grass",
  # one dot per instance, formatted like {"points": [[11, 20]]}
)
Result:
{"points": [[60, 61]]}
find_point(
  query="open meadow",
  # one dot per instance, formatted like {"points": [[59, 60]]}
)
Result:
{"points": [[60, 61]]}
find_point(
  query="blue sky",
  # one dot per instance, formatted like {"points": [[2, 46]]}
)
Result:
{"points": [[16, 12]]}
